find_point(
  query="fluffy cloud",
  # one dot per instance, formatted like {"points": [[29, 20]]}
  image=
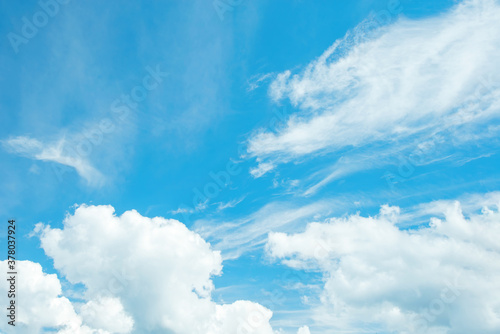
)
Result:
{"points": [[107, 313], [147, 275], [304, 330], [411, 79], [443, 277], [39, 303]]}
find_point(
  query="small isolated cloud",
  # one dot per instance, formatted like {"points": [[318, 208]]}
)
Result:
{"points": [[34, 169], [403, 82], [255, 81], [145, 275], [58, 152], [443, 277], [262, 169], [231, 204], [181, 211]]}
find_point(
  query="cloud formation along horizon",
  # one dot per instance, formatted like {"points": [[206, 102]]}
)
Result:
{"points": [[407, 81], [443, 277], [146, 274]]}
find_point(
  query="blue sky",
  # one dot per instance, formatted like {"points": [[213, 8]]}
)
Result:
{"points": [[268, 129]]}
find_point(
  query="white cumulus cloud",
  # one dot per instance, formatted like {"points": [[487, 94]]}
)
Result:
{"points": [[304, 330], [443, 277], [39, 302], [145, 275]]}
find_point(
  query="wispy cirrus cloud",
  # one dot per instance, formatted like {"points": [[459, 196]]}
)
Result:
{"points": [[400, 84], [58, 152], [231, 204], [249, 233]]}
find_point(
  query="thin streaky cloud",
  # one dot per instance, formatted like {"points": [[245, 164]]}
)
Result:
{"points": [[411, 79], [55, 152]]}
